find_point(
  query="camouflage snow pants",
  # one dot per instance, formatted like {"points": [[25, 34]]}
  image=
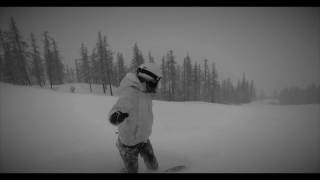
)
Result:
{"points": [[129, 155]]}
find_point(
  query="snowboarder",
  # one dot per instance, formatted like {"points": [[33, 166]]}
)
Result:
{"points": [[133, 116]]}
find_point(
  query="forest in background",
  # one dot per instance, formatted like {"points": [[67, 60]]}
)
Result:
{"points": [[22, 63]]}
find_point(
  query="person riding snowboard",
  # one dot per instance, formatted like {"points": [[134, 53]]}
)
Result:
{"points": [[132, 114]]}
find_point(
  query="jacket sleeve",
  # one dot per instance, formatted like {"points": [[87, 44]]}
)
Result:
{"points": [[124, 104]]}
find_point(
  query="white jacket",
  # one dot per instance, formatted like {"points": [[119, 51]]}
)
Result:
{"points": [[132, 100]]}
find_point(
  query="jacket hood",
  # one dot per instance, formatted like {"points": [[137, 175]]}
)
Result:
{"points": [[130, 80]]}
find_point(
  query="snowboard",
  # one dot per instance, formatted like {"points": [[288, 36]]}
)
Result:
{"points": [[174, 169]]}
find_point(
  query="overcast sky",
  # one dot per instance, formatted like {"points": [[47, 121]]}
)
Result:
{"points": [[276, 47]]}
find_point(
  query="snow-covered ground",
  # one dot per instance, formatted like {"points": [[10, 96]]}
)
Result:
{"points": [[51, 131]]}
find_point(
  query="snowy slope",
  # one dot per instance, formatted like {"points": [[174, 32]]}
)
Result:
{"points": [[49, 131]]}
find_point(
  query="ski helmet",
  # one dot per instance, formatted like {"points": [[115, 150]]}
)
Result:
{"points": [[149, 72]]}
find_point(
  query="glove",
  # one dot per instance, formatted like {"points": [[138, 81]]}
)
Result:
{"points": [[118, 117]]}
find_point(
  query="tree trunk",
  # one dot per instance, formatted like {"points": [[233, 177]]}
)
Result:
{"points": [[90, 86]]}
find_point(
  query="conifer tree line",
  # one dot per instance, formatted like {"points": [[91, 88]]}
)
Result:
{"points": [[295, 95], [193, 80], [21, 63]]}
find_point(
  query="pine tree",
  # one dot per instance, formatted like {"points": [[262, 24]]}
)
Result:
{"points": [[184, 79], [244, 89], [164, 78], [85, 66], [188, 77], [253, 91], [9, 62], [195, 82], [109, 62], [151, 58], [57, 64], [105, 57], [209, 87], [48, 55], [227, 92], [178, 80], [214, 90], [101, 57], [78, 73], [206, 79], [37, 65], [1, 66], [120, 67], [115, 72], [19, 52], [70, 75], [238, 91], [141, 58], [171, 74], [223, 91], [230, 93], [2, 60], [137, 58], [95, 65], [217, 92], [200, 82]]}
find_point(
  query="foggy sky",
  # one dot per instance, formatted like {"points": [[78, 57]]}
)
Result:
{"points": [[276, 47]]}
